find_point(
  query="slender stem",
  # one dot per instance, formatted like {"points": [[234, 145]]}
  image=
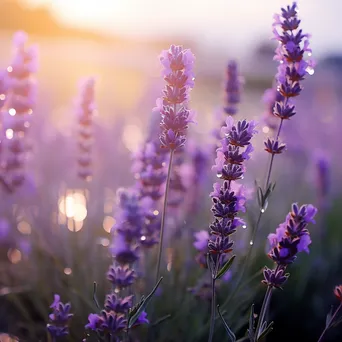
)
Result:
{"points": [[245, 264], [272, 157], [213, 310], [162, 226], [329, 323], [263, 312]]}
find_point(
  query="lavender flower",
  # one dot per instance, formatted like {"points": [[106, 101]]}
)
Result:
{"points": [[59, 319], [293, 67], [232, 88], [85, 111], [20, 99], [121, 276], [228, 198], [149, 169], [175, 116], [291, 237]]}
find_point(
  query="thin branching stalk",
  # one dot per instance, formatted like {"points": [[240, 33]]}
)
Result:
{"points": [[162, 226], [263, 311], [329, 323]]}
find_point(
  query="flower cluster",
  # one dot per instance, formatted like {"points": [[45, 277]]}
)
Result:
{"points": [[59, 319], [292, 69], [149, 171], [232, 88], [291, 237], [175, 116], [85, 110], [228, 198], [127, 230], [112, 320], [19, 101]]}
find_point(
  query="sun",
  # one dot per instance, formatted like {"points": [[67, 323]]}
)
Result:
{"points": [[84, 13]]}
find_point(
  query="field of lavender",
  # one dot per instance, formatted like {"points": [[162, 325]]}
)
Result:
{"points": [[155, 201]]}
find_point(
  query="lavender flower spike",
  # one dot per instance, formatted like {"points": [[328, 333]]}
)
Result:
{"points": [[232, 88], [175, 116], [294, 56], [228, 198], [59, 319], [85, 111], [19, 103], [291, 237]]}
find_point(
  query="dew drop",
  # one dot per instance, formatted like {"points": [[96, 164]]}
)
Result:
{"points": [[310, 71], [262, 210], [244, 226], [251, 242]]}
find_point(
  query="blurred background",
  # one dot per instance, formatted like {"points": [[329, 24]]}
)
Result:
{"points": [[118, 42]]}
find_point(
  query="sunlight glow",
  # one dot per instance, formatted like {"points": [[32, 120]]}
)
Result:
{"points": [[108, 223], [132, 137], [9, 133], [73, 206]]}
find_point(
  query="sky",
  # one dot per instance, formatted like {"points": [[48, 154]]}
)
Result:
{"points": [[213, 22]]}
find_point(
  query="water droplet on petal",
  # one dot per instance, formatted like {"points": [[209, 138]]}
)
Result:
{"points": [[251, 242]]}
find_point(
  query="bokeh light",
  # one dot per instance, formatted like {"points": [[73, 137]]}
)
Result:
{"points": [[24, 228], [14, 255]]}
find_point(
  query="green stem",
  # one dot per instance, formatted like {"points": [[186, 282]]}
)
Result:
{"points": [[263, 311], [162, 226], [272, 158], [329, 323], [213, 310]]}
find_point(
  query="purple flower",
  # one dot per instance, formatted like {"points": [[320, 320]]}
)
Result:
{"points": [[142, 319], [201, 243], [120, 305], [85, 110], [109, 322], [232, 88], [175, 116], [121, 276], [95, 321], [20, 96], [291, 237], [59, 318], [274, 146], [229, 197], [56, 301]]}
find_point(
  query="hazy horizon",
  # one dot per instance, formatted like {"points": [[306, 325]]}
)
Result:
{"points": [[237, 24]]}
